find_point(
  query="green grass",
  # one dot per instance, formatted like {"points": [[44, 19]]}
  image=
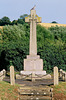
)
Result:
{"points": [[59, 91], [8, 92]]}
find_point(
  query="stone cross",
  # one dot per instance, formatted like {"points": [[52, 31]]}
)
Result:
{"points": [[33, 19], [12, 79], [33, 63]]}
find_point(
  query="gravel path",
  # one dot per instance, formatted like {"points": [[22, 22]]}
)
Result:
{"points": [[30, 83]]}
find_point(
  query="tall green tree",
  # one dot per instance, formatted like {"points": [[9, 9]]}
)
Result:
{"points": [[5, 21]]}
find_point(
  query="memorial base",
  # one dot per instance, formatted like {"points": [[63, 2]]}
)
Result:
{"points": [[35, 72], [33, 64]]}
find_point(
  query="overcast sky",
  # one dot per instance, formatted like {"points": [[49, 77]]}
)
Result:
{"points": [[49, 10]]}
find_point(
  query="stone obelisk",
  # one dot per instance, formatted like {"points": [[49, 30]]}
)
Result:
{"points": [[33, 63]]}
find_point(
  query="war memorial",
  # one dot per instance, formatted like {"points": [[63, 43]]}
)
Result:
{"points": [[32, 78], [33, 63]]}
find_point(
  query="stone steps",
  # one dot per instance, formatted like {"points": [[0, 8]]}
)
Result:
{"points": [[35, 93], [35, 98]]}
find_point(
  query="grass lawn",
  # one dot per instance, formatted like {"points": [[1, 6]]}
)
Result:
{"points": [[59, 92], [8, 92]]}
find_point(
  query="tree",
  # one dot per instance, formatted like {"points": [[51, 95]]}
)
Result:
{"points": [[14, 46], [23, 16], [54, 22], [0, 22], [21, 20], [59, 33], [5, 21], [14, 22]]}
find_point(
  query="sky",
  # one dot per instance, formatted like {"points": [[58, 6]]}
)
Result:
{"points": [[49, 10]]}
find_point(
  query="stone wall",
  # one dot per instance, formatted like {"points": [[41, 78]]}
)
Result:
{"points": [[62, 75], [2, 74]]}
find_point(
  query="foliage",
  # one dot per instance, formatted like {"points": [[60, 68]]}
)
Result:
{"points": [[5, 21], [23, 16], [21, 20], [59, 33], [54, 22], [14, 22], [59, 47], [14, 46]]}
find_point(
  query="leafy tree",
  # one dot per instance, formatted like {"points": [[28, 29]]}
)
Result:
{"points": [[14, 22], [5, 21], [15, 46], [54, 22], [23, 16], [0, 22], [21, 20], [59, 33]]}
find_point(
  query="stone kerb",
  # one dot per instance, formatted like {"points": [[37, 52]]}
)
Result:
{"points": [[12, 78], [56, 79], [2, 74], [63, 75]]}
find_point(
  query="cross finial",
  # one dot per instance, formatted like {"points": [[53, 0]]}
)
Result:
{"points": [[33, 8]]}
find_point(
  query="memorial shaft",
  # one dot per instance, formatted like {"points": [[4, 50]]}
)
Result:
{"points": [[33, 19], [33, 39]]}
